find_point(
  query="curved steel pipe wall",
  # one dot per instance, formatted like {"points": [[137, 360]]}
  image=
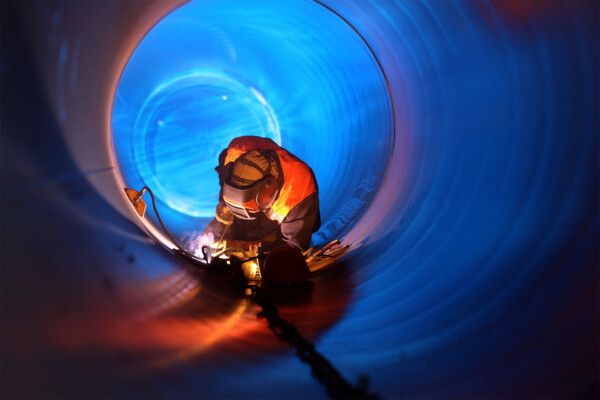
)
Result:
{"points": [[294, 72], [476, 271]]}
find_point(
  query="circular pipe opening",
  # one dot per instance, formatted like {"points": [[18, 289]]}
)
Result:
{"points": [[295, 72]]}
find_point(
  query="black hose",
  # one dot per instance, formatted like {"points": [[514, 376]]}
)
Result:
{"points": [[337, 387]]}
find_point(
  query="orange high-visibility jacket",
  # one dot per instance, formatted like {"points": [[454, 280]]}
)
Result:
{"points": [[296, 204]]}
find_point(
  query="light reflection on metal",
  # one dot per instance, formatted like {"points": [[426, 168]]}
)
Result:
{"points": [[180, 119], [251, 270], [492, 196], [162, 140], [207, 334]]}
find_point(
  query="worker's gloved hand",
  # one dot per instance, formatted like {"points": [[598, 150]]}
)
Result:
{"points": [[223, 214]]}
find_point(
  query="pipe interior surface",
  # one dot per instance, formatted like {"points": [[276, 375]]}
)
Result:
{"points": [[294, 72], [471, 202]]}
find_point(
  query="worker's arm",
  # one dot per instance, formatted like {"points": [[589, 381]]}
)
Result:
{"points": [[223, 217], [214, 228], [300, 223]]}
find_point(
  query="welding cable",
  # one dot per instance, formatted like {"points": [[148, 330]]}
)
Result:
{"points": [[180, 249], [337, 387], [175, 242]]}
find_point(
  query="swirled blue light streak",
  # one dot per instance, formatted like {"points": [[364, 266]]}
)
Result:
{"points": [[292, 71]]}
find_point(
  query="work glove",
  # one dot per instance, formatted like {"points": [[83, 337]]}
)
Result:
{"points": [[224, 214]]}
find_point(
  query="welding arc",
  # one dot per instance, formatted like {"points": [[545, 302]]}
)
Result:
{"points": [[180, 249]]}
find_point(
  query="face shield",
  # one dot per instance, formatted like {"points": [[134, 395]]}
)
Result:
{"points": [[242, 201]]}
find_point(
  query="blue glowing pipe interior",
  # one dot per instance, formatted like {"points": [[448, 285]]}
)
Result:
{"points": [[478, 276], [292, 71]]}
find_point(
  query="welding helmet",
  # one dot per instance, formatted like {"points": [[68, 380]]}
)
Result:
{"points": [[250, 185]]}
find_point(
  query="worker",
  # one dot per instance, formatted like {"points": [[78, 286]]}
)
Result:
{"points": [[268, 196]]}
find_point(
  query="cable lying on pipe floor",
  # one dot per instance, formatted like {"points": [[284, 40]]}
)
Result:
{"points": [[337, 387]]}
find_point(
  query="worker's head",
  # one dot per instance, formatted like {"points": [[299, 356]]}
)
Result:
{"points": [[250, 185]]}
